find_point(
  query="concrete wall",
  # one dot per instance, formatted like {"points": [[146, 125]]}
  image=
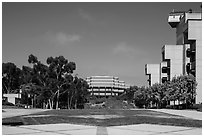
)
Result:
{"points": [[195, 33], [12, 97], [175, 54], [162, 64], [185, 58], [154, 71]]}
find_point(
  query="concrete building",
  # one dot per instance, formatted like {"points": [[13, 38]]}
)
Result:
{"points": [[189, 32], [173, 56], [153, 71], [186, 56], [104, 86], [164, 71], [12, 98]]}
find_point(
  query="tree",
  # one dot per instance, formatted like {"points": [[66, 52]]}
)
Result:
{"points": [[76, 91], [30, 92], [10, 77], [141, 98], [38, 76], [59, 67], [183, 89], [159, 94], [26, 75]]}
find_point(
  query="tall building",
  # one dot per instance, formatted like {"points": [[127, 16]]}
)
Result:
{"points": [[104, 86], [189, 33], [186, 56]]}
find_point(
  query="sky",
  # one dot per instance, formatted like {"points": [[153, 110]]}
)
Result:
{"points": [[102, 38]]}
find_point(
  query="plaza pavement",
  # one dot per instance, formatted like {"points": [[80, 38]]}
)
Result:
{"points": [[193, 114], [19, 112], [73, 129]]}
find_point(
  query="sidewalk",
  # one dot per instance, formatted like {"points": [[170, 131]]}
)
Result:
{"points": [[20, 112], [193, 114], [71, 129]]}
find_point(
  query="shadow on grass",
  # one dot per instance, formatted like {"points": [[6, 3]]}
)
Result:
{"points": [[129, 117]]}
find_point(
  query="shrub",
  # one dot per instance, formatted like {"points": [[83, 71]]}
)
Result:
{"points": [[197, 107], [6, 103]]}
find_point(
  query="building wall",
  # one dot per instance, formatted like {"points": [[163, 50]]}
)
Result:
{"points": [[162, 75], [174, 57], [195, 33], [186, 60], [12, 97], [188, 31], [153, 70], [174, 53]]}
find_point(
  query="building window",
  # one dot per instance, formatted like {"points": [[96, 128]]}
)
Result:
{"points": [[188, 68], [164, 79], [163, 57], [188, 53]]}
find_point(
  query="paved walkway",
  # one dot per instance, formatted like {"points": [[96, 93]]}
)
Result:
{"points": [[193, 114], [72, 129], [20, 112]]}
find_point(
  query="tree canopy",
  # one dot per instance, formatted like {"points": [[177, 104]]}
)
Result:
{"points": [[46, 84]]}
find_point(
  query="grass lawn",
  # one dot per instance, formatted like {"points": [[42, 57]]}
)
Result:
{"points": [[92, 117]]}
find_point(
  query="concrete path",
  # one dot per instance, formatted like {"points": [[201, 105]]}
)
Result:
{"points": [[19, 112], [193, 114], [71, 129]]}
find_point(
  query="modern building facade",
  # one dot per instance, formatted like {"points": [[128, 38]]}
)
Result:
{"points": [[186, 56], [153, 71], [173, 56], [189, 33], [104, 86]]}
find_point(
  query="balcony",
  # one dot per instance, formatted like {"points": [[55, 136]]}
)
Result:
{"points": [[165, 69], [175, 18], [164, 79], [188, 53], [188, 68]]}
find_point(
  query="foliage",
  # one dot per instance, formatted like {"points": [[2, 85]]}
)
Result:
{"points": [[47, 86], [181, 89], [10, 77]]}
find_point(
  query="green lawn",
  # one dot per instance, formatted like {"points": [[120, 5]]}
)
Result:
{"points": [[124, 117]]}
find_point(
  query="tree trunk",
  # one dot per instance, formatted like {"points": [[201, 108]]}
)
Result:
{"points": [[70, 102], [50, 104], [57, 102], [6, 88], [75, 104]]}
